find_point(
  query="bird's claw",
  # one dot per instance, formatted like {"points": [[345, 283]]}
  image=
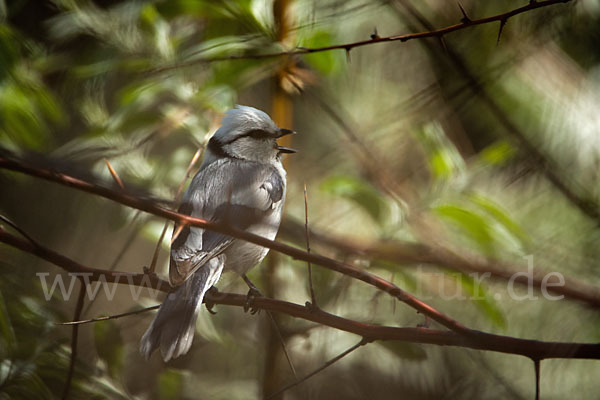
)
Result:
{"points": [[253, 293], [209, 304]]}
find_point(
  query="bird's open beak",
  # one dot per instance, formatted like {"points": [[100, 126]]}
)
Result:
{"points": [[283, 149], [287, 150], [285, 132]]}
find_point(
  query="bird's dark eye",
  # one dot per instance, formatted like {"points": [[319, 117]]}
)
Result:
{"points": [[257, 134]]}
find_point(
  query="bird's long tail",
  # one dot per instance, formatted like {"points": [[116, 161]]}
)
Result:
{"points": [[174, 325]]}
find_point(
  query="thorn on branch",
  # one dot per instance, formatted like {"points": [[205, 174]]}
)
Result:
{"points": [[536, 365], [375, 35], [502, 23], [114, 174], [465, 19], [347, 49], [18, 229]]}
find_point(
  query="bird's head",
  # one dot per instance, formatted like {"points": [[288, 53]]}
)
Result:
{"points": [[248, 134]]}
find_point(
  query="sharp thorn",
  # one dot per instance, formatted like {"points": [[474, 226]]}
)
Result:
{"points": [[465, 19], [374, 35], [502, 23]]}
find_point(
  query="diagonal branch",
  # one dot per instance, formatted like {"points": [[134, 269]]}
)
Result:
{"points": [[152, 208], [537, 158], [107, 317], [439, 33], [321, 368], [533, 349]]}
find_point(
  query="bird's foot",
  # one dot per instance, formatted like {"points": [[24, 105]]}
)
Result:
{"points": [[253, 293], [209, 304]]}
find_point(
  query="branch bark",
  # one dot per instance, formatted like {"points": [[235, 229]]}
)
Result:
{"points": [[439, 33], [152, 208], [533, 349]]}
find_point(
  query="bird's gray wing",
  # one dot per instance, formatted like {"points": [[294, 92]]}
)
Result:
{"points": [[234, 192]]}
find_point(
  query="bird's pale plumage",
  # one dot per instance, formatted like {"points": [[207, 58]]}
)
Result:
{"points": [[241, 183]]}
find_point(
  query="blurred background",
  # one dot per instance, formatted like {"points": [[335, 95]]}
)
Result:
{"points": [[424, 161]]}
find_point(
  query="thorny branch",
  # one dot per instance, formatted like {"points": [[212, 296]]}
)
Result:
{"points": [[533, 349], [439, 33], [538, 159], [152, 208], [321, 368]]}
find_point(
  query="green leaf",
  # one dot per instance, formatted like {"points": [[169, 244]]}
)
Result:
{"points": [[444, 159], [326, 62], [473, 225], [359, 192], [109, 346], [170, 385], [498, 153], [481, 297], [501, 217]]}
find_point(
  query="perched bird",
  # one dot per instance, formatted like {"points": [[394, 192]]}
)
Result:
{"points": [[241, 183]]}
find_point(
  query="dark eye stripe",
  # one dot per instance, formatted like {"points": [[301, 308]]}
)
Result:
{"points": [[217, 149], [255, 133]]}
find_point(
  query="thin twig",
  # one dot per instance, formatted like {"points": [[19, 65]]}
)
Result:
{"points": [[107, 317], [177, 232], [74, 337], [313, 300], [283, 345], [176, 203], [375, 39], [114, 174], [316, 371], [18, 229], [253, 288], [118, 257], [152, 267]]}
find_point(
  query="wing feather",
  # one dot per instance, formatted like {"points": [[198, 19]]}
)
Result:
{"points": [[230, 191]]}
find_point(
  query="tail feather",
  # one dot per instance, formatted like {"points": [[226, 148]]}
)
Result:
{"points": [[174, 325]]}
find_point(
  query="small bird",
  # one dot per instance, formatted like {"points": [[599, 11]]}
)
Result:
{"points": [[241, 183]]}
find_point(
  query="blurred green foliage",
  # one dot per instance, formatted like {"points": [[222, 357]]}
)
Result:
{"points": [[143, 84]]}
